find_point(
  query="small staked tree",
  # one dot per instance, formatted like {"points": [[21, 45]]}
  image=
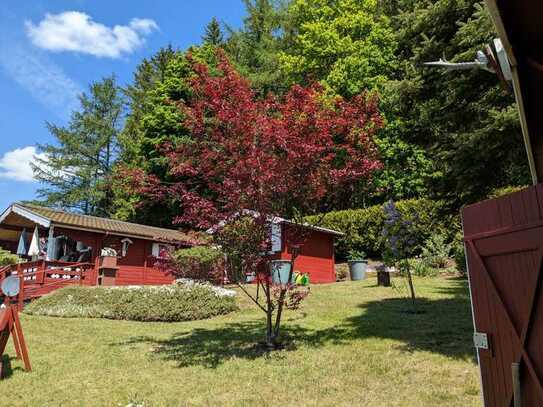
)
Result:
{"points": [[399, 238], [250, 160]]}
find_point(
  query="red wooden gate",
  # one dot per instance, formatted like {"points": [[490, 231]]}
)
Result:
{"points": [[504, 245]]}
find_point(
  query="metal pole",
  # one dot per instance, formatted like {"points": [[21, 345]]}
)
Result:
{"points": [[517, 395]]}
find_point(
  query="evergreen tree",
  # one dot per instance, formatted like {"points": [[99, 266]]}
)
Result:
{"points": [[213, 34], [255, 48], [76, 168], [464, 120]]}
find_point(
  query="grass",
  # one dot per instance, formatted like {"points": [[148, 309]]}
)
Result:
{"points": [[351, 344]]}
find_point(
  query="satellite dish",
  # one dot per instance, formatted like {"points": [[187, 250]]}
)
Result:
{"points": [[11, 286]]}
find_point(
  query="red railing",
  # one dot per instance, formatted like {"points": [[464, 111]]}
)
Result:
{"points": [[40, 277]]}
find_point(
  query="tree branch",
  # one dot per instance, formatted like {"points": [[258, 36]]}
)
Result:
{"points": [[251, 297]]}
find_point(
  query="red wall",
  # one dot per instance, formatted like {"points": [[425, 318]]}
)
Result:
{"points": [[134, 269], [316, 257]]}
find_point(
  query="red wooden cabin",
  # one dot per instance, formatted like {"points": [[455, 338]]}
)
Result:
{"points": [[137, 247], [317, 254]]}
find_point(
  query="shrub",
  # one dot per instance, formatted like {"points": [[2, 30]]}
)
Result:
{"points": [[170, 303], [459, 254], [341, 273], [6, 258], [496, 193], [199, 263], [363, 227], [420, 269], [436, 251]]}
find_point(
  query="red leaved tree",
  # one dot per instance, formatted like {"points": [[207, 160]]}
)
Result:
{"points": [[250, 159]]}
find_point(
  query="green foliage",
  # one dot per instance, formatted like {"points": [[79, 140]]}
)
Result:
{"points": [[153, 303], [420, 268], [436, 251], [6, 258], [363, 227], [407, 170], [213, 34], [199, 262], [202, 254], [341, 273], [255, 48], [159, 83], [459, 254], [355, 255], [346, 45], [464, 120], [496, 193], [75, 169]]}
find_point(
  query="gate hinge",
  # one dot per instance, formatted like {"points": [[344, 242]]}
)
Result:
{"points": [[480, 340]]}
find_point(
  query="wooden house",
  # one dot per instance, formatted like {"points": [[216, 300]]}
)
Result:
{"points": [[71, 245]]}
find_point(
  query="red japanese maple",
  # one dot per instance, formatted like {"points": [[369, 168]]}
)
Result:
{"points": [[273, 156]]}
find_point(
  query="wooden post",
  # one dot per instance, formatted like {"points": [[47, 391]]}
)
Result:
{"points": [[20, 297]]}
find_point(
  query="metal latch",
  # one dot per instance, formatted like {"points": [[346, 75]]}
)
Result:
{"points": [[480, 340]]}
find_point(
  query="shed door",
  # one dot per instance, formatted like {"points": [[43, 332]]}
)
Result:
{"points": [[505, 280]]}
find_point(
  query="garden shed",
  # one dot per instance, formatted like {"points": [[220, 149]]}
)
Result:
{"points": [[316, 257]]}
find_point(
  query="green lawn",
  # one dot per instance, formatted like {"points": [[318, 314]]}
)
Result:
{"points": [[352, 344]]}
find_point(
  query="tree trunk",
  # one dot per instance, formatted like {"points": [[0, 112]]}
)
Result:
{"points": [[269, 317], [281, 301], [410, 282]]}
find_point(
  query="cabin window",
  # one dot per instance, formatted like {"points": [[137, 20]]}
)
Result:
{"points": [[160, 249], [124, 248], [275, 237]]}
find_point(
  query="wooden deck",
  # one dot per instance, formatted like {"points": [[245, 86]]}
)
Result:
{"points": [[42, 277]]}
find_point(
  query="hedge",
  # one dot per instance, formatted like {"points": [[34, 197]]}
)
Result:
{"points": [[363, 227], [176, 302]]}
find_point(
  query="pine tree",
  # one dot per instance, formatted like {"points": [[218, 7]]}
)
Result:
{"points": [[76, 168], [255, 48], [213, 34]]}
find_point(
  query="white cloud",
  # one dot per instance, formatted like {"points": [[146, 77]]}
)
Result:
{"points": [[43, 79], [15, 165], [77, 32]]}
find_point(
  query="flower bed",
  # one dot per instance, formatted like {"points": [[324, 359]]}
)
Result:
{"points": [[182, 301]]}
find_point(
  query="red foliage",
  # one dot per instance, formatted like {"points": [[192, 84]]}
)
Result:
{"points": [[273, 156]]}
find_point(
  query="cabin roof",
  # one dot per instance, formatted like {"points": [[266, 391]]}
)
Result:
{"points": [[46, 216], [279, 220]]}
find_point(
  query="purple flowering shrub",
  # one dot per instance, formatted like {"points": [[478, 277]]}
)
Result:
{"points": [[399, 242]]}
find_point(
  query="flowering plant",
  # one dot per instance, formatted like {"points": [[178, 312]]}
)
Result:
{"points": [[399, 239]]}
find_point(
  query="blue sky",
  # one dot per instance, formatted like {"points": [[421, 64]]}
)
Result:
{"points": [[50, 52]]}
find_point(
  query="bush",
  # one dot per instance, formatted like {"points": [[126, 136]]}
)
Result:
{"points": [[341, 272], [458, 254], [170, 303], [436, 251], [363, 227], [199, 263], [6, 258], [496, 193], [420, 269]]}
